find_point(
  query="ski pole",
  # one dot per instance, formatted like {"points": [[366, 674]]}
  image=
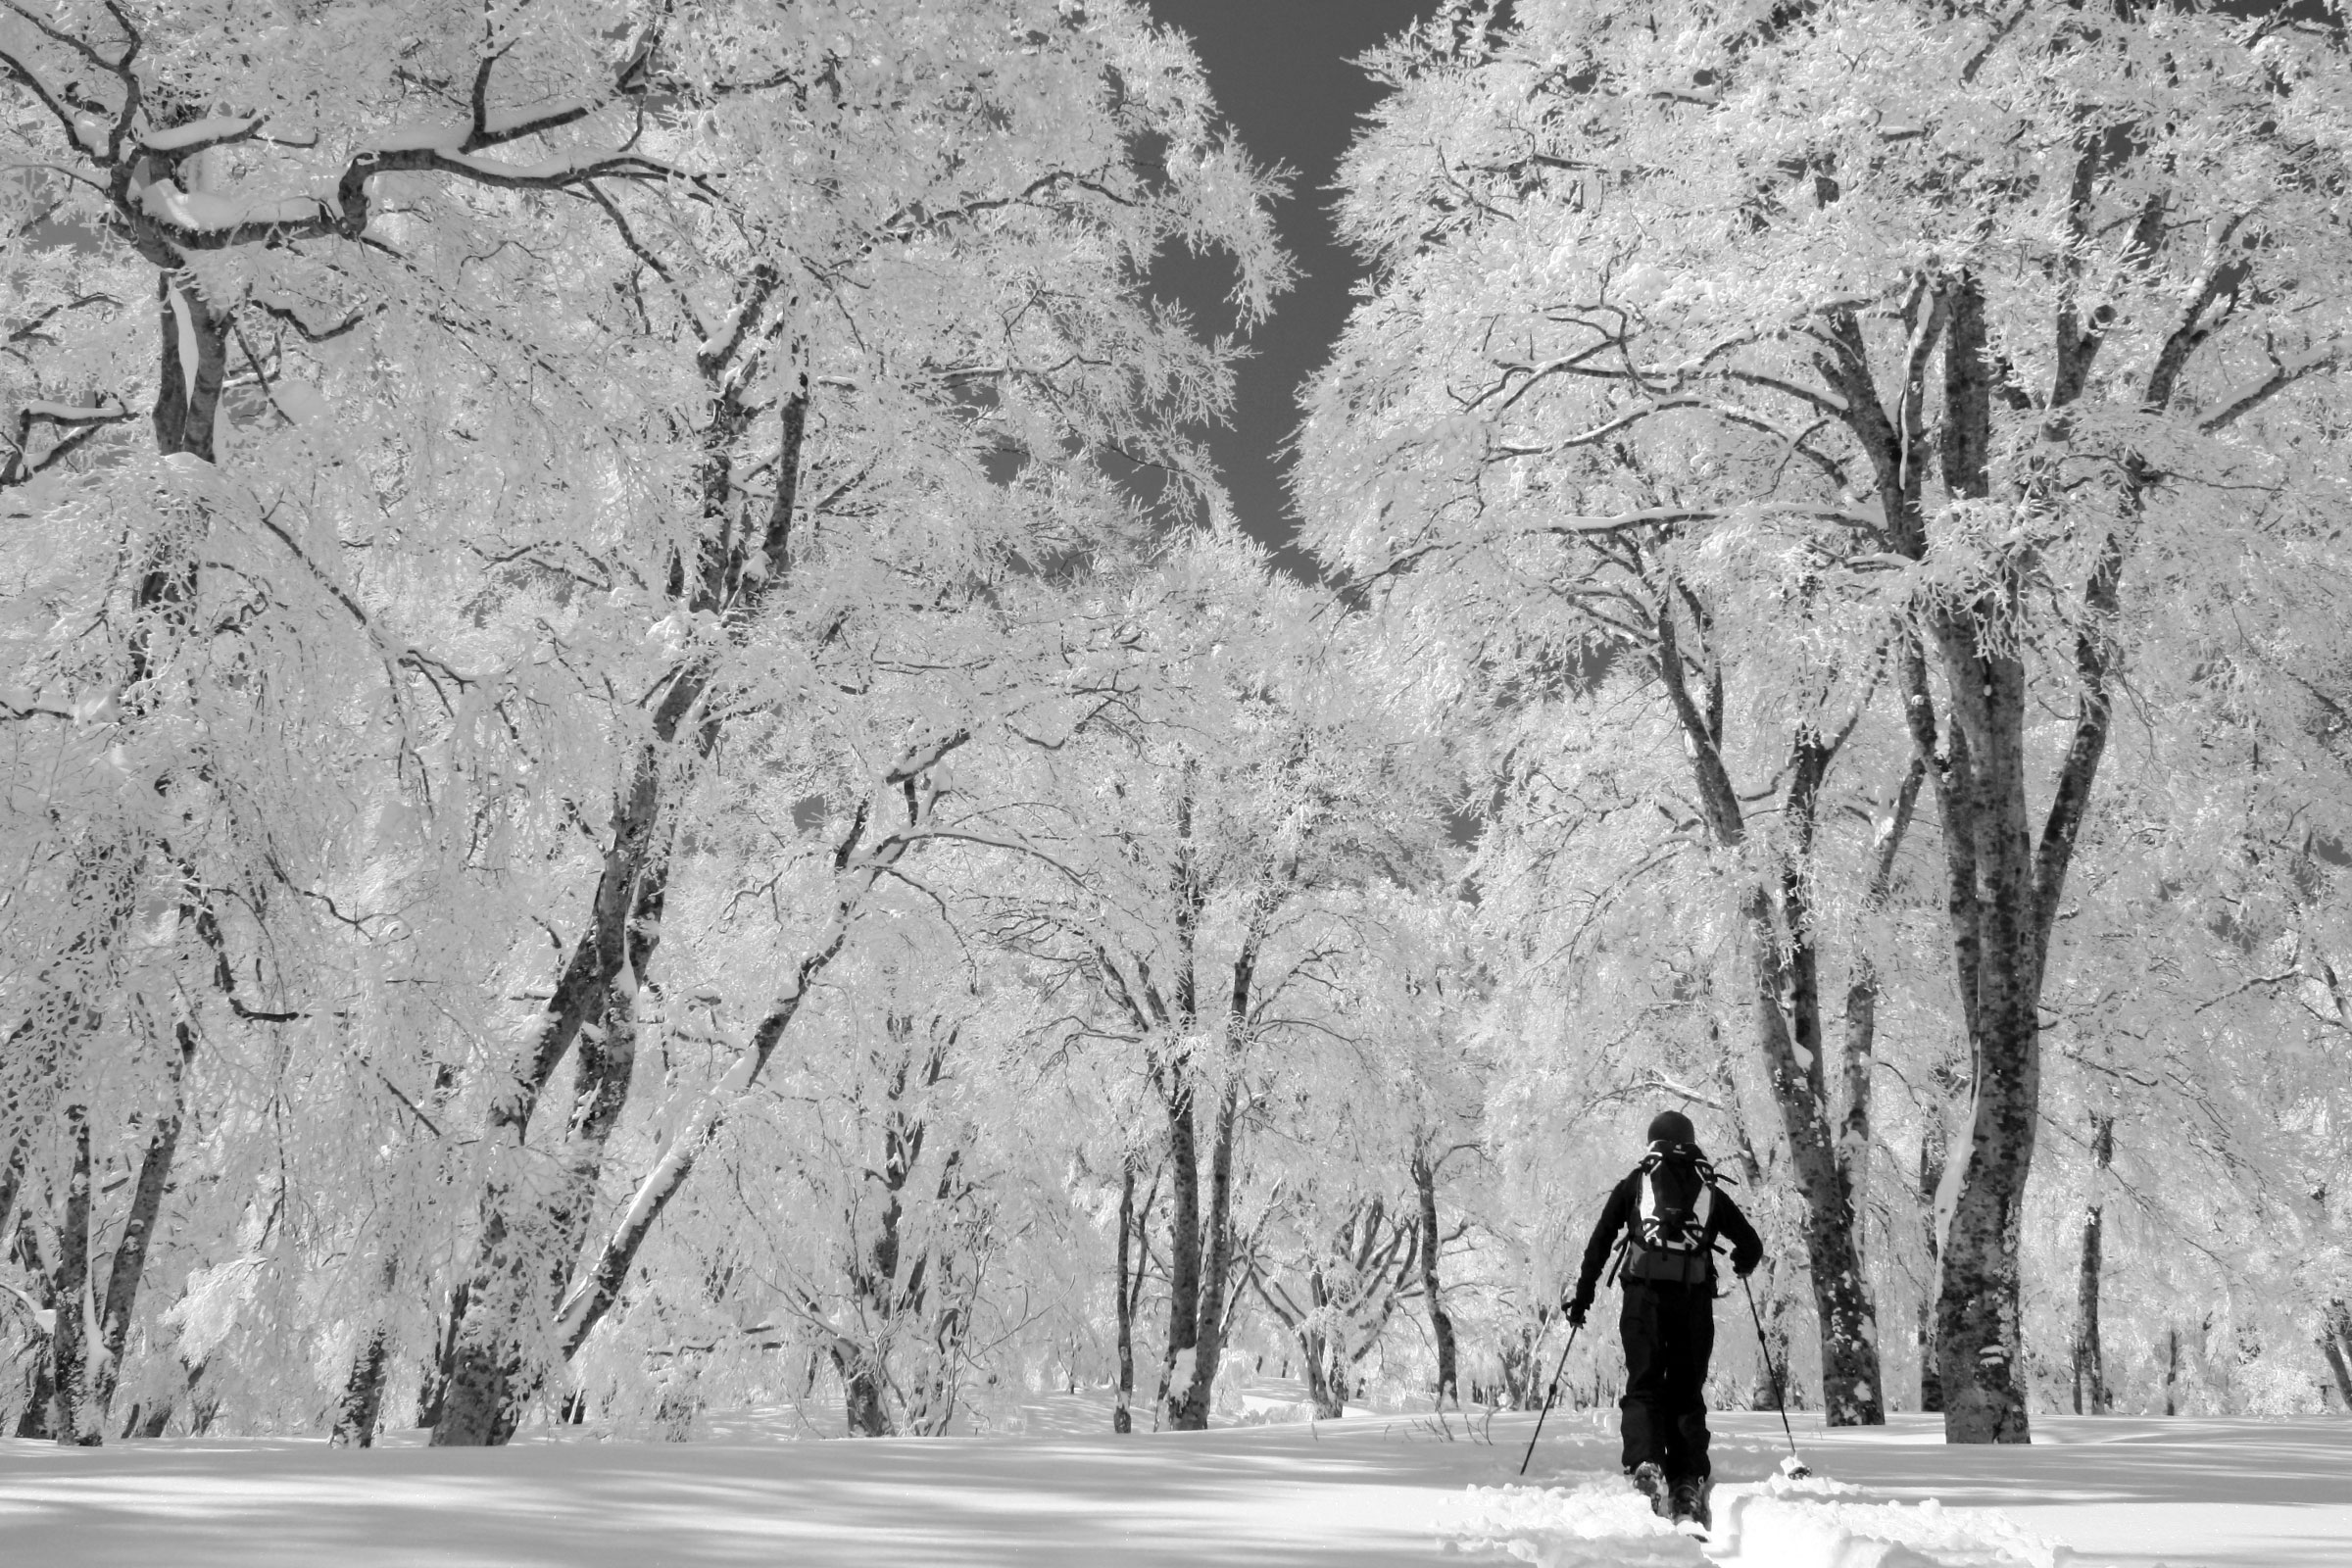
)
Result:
{"points": [[1550, 1395], [1780, 1392]]}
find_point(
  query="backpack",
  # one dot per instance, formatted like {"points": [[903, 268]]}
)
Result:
{"points": [[1672, 1237]]}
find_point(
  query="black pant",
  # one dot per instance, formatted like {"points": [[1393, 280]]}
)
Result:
{"points": [[1669, 1333]]}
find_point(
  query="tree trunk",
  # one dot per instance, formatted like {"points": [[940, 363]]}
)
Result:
{"points": [[2005, 884], [1326, 1362], [1769, 1389], [12, 1169], [1931, 1154], [2090, 1377], [193, 369], [1784, 973], [532, 1229], [1122, 1419], [363, 1394], [2336, 1344], [532, 1233], [435, 1381], [863, 1408], [1189, 1405], [1441, 1322], [37, 1418], [2172, 1367], [138, 1226], [70, 1345], [34, 1421], [1184, 1256], [1845, 1311], [363, 1397], [1979, 1314], [584, 1305], [150, 1421], [1331, 1393]]}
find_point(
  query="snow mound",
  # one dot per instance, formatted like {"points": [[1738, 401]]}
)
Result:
{"points": [[1806, 1524], [1785, 1522]]}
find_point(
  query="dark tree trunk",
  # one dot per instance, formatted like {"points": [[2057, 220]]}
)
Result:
{"points": [[2006, 881], [35, 1420], [1769, 1389], [1189, 1406], [68, 1343], [1323, 1358], [435, 1382], [194, 352], [1122, 1418], [863, 1410], [12, 1169], [1184, 1252], [2090, 1375], [532, 1234], [149, 1421], [1931, 1154], [203, 1408], [2172, 1368], [1327, 1366], [1441, 1322], [1784, 973], [1188, 1409], [363, 1397], [138, 1227], [2336, 1344], [1980, 1314], [532, 1231]]}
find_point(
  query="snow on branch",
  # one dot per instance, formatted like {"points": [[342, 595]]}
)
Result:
{"points": [[139, 161], [212, 130], [1657, 517], [83, 420]]}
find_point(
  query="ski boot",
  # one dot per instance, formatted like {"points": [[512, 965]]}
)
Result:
{"points": [[1651, 1482], [1690, 1503]]}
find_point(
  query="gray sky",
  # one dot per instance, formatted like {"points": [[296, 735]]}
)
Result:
{"points": [[1280, 74]]}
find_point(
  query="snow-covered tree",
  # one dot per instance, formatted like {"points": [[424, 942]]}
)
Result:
{"points": [[1216, 840], [1942, 358], [849, 302]]}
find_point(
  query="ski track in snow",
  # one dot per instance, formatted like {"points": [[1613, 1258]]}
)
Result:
{"points": [[1777, 1522], [1374, 1490]]}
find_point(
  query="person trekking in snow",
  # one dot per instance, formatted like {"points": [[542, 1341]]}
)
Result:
{"points": [[1670, 1212]]}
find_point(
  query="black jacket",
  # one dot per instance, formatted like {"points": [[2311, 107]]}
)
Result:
{"points": [[1747, 1249]]}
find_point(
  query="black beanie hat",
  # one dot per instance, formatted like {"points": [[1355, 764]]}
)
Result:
{"points": [[1672, 1127]]}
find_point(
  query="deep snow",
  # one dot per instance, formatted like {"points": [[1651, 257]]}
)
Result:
{"points": [[1374, 1490]]}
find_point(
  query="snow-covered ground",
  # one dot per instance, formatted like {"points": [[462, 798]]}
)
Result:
{"points": [[1371, 1490]]}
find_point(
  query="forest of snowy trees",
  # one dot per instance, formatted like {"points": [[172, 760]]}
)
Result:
{"points": [[646, 771]]}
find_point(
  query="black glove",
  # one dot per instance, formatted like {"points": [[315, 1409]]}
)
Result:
{"points": [[1743, 1271], [1574, 1311]]}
